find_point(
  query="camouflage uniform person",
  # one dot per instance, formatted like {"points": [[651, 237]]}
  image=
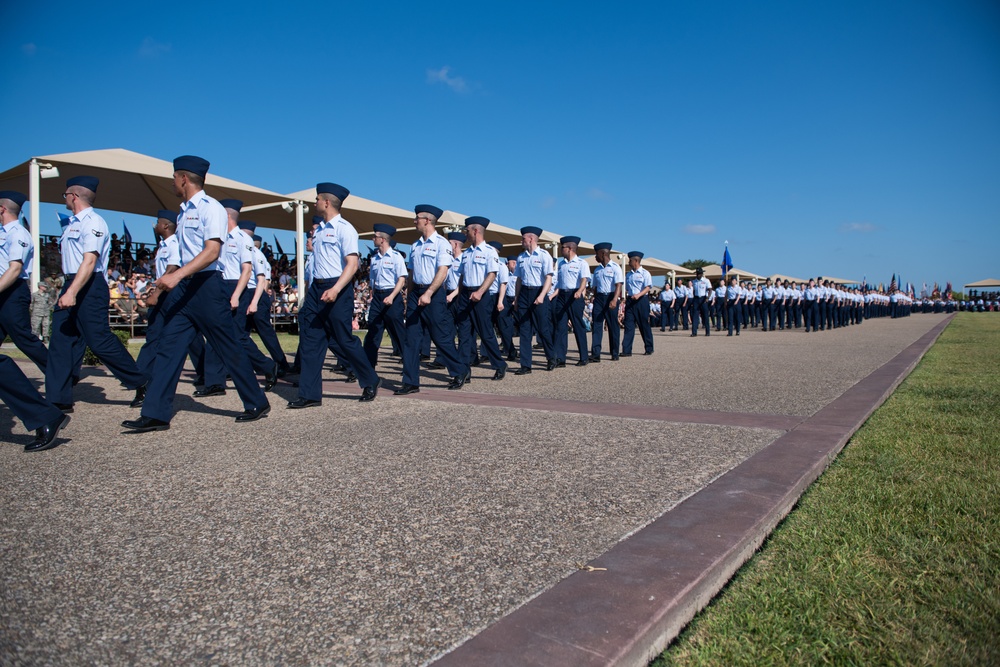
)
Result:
{"points": [[41, 311]]}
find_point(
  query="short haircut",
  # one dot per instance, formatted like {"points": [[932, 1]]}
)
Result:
{"points": [[326, 196], [196, 179], [11, 206]]}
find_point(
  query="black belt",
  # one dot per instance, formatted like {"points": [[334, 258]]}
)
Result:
{"points": [[385, 292], [326, 281]]}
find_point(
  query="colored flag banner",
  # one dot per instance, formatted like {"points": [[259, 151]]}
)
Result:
{"points": [[727, 262]]}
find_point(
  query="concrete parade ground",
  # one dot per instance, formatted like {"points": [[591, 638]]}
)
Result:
{"points": [[579, 516]]}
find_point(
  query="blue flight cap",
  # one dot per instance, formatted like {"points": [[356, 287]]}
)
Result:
{"points": [[338, 191], [602, 246], [234, 204], [512, 258], [427, 208], [247, 225], [257, 239], [477, 220], [537, 231], [635, 253], [569, 239], [318, 220], [14, 196], [496, 245], [192, 163], [384, 228], [167, 215], [89, 182], [456, 236]]}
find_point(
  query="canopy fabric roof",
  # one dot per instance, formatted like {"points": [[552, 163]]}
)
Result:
{"points": [[656, 267], [989, 282], [510, 238], [360, 212], [130, 182], [714, 272]]}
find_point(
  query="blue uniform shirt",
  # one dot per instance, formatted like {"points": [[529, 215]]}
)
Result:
{"points": [[605, 278], [333, 242], [503, 278], [307, 270], [16, 246], [385, 270], [570, 272], [454, 277], [533, 267], [169, 254], [637, 280], [427, 256], [201, 219], [667, 295], [261, 267], [477, 263], [237, 251], [86, 232], [511, 282], [700, 286]]}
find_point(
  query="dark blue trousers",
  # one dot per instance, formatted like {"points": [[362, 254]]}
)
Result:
{"points": [[381, 318], [637, 317], [569, 309], [15, 321], [668, 318], [604, 314], [732, 310], [505, 324], [22, 398], [475, 318], [322, 323], [215, 370], [261, 321], [198, 304], [154, 327], [440, 327], [699, 315], [87, 320], [537, 318]]}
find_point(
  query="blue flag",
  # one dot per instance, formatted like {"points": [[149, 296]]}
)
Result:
{"points": [[127, 237], [278, 245], [63, 219], [727, 262]]}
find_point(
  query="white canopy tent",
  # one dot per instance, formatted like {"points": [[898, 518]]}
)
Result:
{"points": [[130, 182]]}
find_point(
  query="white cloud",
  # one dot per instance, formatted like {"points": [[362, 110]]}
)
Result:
{"points": [[862, 227], [699, 229], [29, 49], [443, 75], [150, 48], [597, 193], [548, 202]]}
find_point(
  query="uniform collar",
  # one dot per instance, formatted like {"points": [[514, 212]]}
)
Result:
{"points": [[190, 203], [79, 216]]}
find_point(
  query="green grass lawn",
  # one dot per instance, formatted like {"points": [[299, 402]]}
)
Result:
{"points": [[893, 555]]}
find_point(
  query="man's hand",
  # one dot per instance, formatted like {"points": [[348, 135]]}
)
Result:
{"points": [[67, 300], [330, 295]]}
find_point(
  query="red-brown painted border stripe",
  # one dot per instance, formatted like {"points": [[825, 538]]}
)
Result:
{"points": [[658, 579]]}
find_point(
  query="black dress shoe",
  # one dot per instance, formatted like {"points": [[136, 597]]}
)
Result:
{"points": [[457, 382], [614, 358], [271, 378], [351, 377], [45, 437], [624, 354], [140, 396], [523, 370], [694, 335], [66, 408], [646, 354], [407, 389], [214, 390], [435, 365], [371, 392], [512, 357], [300, 403], [144, 424], [500, 374], [551, 365], [254, 414], [560, 363], [199, 381], [476, 361], [424, 357], [283, 371], [294, 370], [581, 363], [595, 360]]}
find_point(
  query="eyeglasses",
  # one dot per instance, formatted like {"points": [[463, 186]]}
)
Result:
{"points": [[70, 194], [421, 218]]}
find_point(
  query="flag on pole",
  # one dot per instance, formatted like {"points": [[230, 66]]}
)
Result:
{"points": [[278, 245], [127, 236], [947, 289], [727, 262], [892, 283], [63, 219]]}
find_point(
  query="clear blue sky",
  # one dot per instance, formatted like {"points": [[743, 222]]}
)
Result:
{"points": [[843, 138]]}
